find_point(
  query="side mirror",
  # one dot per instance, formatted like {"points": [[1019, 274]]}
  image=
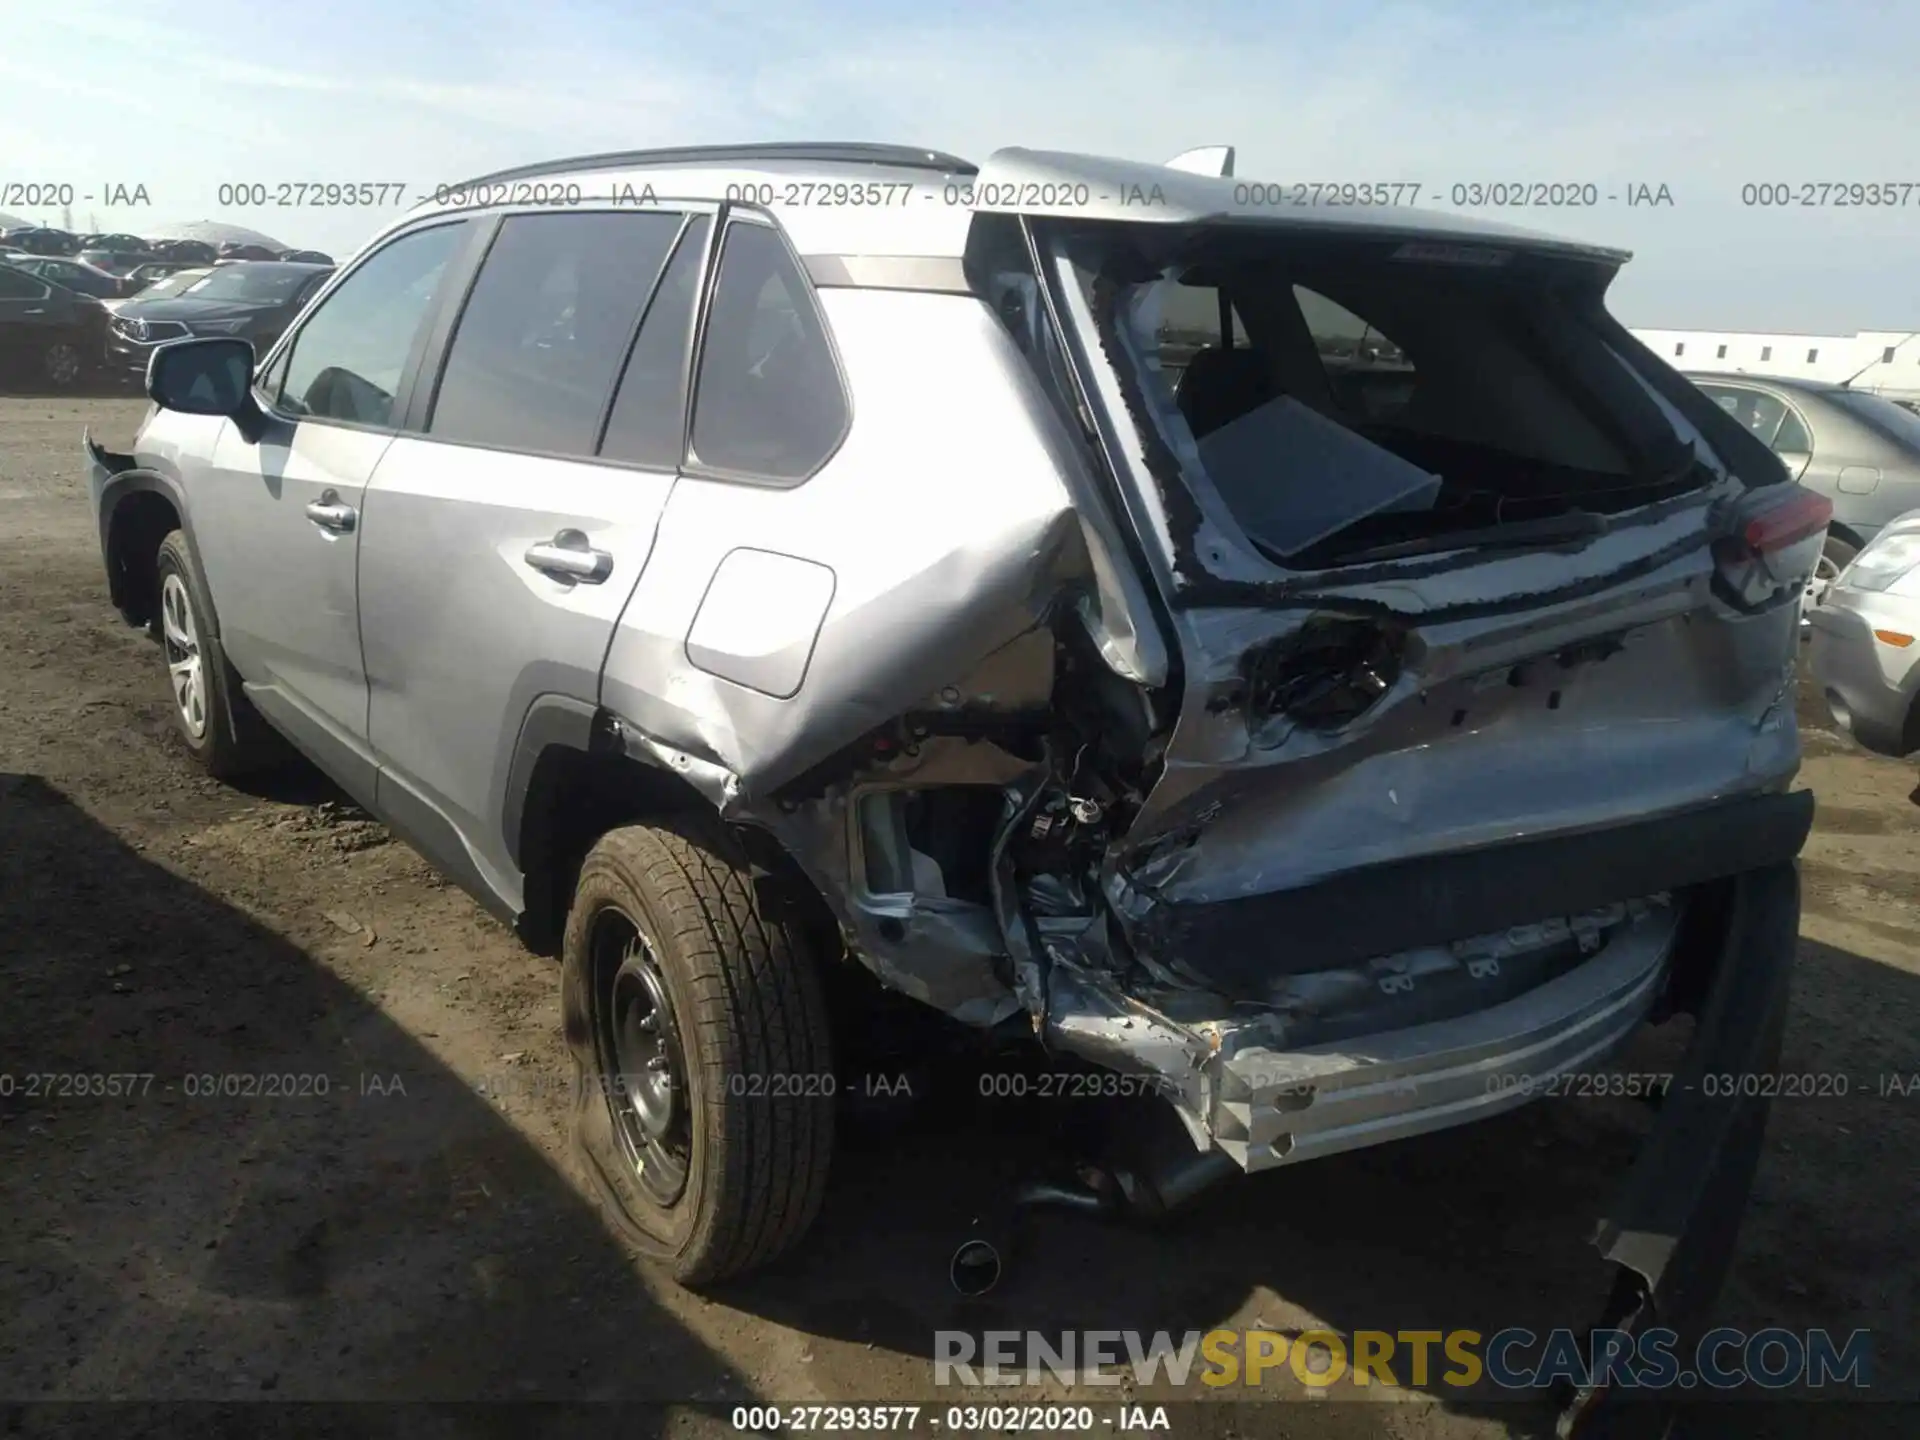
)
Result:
{"points": [[206, 377]]}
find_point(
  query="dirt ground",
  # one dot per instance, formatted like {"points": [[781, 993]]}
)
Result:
{"points": [[408, 1223]]}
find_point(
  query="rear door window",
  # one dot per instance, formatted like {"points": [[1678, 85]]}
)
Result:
{"points": [[769, 403], [540, 341], [648, 418]]}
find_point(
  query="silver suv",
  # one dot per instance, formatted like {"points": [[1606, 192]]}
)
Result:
{"points": [[1309, 663]]}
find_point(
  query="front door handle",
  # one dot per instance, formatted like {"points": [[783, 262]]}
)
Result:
{"points": [[569, 556], [329, 512]]}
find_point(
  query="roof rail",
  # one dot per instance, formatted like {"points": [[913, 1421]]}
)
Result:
{"points": [[853, 152]]}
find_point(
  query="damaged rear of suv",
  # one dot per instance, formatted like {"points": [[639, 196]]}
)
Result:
{"points": [[1314, 662], [1479, 672]]}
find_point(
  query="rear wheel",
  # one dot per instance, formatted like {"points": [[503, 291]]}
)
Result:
{"points": [[705, 1103], [61, 364]]}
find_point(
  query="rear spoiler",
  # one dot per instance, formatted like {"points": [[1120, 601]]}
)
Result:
{"points": [[1207, 160]]}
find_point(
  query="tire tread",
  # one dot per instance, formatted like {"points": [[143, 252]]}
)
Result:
{"points": [[759, 1011]]}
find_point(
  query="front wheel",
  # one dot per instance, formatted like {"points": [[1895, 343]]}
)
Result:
{"points": [[211, 714], [704, 1105]]}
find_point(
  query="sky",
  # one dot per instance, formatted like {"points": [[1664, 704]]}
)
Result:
{"points": [[1701, 96]]}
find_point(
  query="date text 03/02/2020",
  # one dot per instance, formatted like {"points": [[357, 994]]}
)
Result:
{"points": [[1042, 1419], [1458, 194], [1772, 1084]]}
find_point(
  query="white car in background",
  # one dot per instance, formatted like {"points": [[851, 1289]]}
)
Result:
{"points": [[1865, 649]]}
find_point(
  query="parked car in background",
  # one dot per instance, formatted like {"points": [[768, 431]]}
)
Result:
{"points": [[1861, 451], [178, 283], [193, 252], [1865, 645], [76, 275], [308, 257], [50, 336], [43, 240], [117, 262], [1335, 758], [253, 301], [141, 276], [238, 250]]}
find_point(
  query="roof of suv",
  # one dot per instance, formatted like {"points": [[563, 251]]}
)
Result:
{"points": [[894, 200]]}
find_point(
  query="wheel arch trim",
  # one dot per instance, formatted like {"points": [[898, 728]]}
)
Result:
{"points": [[114, 493]]}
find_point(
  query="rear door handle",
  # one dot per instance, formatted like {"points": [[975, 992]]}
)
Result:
{"points": [[329, 512], [569, 556]]}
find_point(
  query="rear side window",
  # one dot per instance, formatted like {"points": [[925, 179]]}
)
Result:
{"points": [[769, 402], [1758, 411], [348, 358], [539, 344], [1792, 437], [650, 407]]}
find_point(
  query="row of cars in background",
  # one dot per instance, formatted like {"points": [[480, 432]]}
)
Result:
{"points": [[76, 306]]}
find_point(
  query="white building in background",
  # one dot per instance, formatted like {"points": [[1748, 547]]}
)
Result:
{"points": [[1885, 362]]}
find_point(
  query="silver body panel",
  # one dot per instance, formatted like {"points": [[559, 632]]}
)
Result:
{"points": [[754, 639], [463, 635], [285, 587]]}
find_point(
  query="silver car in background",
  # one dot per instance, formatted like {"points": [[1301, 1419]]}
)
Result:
{"points": [[1865, 645], [1861, 451]]}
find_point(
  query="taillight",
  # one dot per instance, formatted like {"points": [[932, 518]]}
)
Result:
{"points": [[1772, 544], [1787, 521]]}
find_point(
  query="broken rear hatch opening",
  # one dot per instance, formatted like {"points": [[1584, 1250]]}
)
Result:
{"points": [[1475, 627]]}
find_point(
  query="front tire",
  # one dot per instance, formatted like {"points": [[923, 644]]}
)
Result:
{"points": [[215, 721], [704, 1107]]}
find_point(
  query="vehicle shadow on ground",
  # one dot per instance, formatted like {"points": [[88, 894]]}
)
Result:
{"points": [[93, 386], [304, 1230], [1482, 1227]]}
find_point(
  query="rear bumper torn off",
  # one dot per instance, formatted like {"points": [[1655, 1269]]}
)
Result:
{"points": [[1273, 1108], [1671, 1229]]}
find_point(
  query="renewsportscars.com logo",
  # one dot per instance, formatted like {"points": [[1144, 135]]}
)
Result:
{"points": [[1511, 1359]]}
